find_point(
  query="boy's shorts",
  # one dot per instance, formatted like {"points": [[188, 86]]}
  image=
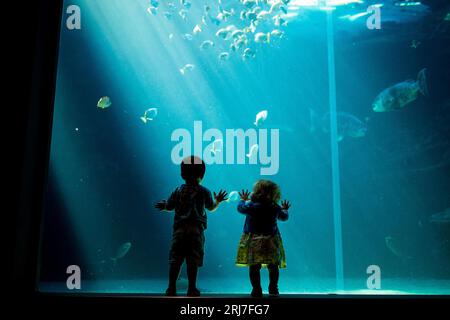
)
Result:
{"points": [[188, 242]]}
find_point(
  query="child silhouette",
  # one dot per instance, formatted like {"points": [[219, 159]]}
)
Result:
{"points": [[261, 244], [189, 202]]}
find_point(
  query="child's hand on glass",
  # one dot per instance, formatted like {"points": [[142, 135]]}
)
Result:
{"points": [[244, 194], [285, 205], [221, 196], [161, 205]]}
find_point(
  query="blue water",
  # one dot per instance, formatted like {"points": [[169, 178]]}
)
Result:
{"points": [[108, 168]]}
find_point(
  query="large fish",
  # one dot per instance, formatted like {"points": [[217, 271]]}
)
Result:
{"points": [[441, 217], [348, 125], [401, 94]]}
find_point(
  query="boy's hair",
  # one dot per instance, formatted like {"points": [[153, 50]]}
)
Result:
{"points": [[266, 191], [192, 168]]}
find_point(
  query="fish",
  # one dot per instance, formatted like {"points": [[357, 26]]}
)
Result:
{"points": [[104, 102], [407, 3], [354, 17], [206, 45], [197, 29], [152, 10], [248, 53], [237, 33], [233, 196], [225, 32], [224, 56], [121, 252], [348, 125], [215, 144], [187, 36], [249, 3], [238, 43], [149, 115], [279, 21], [447, 17], [442, 217], [185, 4], [415, 44], [183, 14], [276, 5], [393, 245], [186, 68], [214, 20], [253, 151], [168, 15], [260, 117], [224, 15], [276, 33], [262, 37], [263, 15], [398, 96], [154, 3]]}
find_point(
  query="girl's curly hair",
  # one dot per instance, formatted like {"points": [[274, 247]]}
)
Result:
{"points": [[266, 191]]}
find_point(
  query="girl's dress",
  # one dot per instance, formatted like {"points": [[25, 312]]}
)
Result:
{"points": [[261, 241]]}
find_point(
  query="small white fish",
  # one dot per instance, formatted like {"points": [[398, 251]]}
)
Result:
{"points": [[278, 21], [216, 146], [197, 29], [248, 53], [276, 5], [149, 115], [233, 196], [263, 15], [183, 14], [187, 36], [249, 3], [253, 151], [171, 36], [186, 68], [241, 41], [261, 37], [251, 28], [206, 45], [104, 102], [225, 32], [185, 4], [224, 56], [168, 15], [152, 10], [261, 117], [237, 33], [277, 33], [222, 33]]}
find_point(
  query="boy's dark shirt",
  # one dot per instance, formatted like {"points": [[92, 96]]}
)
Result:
{"points": [[189, 202]]}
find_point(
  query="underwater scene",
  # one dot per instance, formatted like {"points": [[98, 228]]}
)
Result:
{"points": [[344, 104]]}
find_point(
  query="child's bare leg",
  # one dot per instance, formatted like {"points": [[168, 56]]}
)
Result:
{"points": [[192, 271], [255, 280], [274, 275], [174, 272]]}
